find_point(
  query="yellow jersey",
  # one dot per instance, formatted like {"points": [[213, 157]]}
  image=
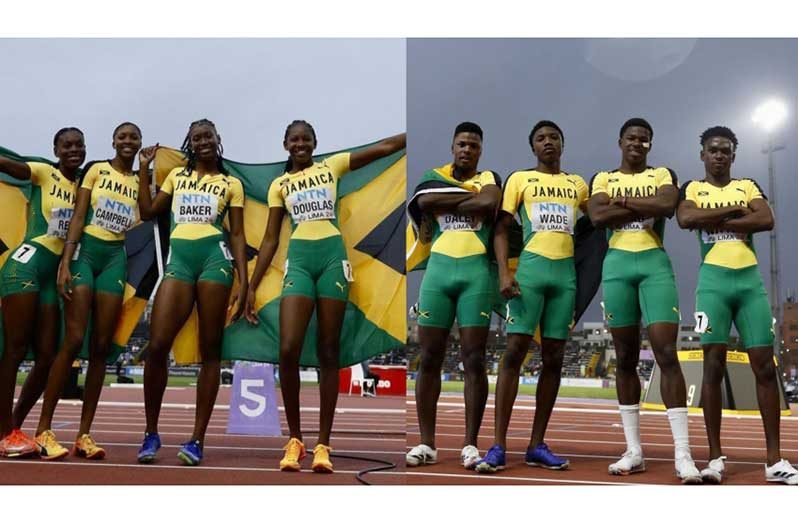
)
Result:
{"points": [[52, 203], [114, 201]]}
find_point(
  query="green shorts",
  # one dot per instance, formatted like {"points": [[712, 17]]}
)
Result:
{"points": [[459, 287], [548, 297], [724, 295], [31, 268], [317, 269], [635, 282], [100, 264], [203, 259]]}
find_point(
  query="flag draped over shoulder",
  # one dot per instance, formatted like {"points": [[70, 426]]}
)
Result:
{"points": [[139, 245], [371, 218]]}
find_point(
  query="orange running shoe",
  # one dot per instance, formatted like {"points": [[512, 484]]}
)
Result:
{"points": [[321, 459], [294, 453], [85, 447], [49, 448], [18, 444]]}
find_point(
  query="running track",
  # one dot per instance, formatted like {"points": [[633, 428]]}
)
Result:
{"points": [[589, 434], [365, 427]]}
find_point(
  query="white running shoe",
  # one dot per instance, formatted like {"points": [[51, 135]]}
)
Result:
{"points": [[713, 474], [782, 472], [469, 457], [632, 461], [421, 455], [686, 469]]}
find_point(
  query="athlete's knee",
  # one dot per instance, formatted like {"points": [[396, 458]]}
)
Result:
{"points": [[73, 341], [289, 353], [474, 361], [626, 363], [157, 350], [328, 354], [431, 361], [513, 357], [667, 359], [764, 369], [553, 357]]}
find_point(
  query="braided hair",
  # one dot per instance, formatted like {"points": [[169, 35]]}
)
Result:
{"points": [[290, 163], [191, 155]]}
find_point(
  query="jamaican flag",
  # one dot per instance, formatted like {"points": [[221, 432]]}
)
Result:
{"points": [[371, 218], [139, 245]]}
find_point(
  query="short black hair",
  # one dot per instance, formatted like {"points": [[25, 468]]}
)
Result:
{"points": [[545, 123], [468, 127], [719, 131], [636, 122]]}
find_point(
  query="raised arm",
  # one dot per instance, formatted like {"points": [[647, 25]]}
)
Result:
{"points": [[74, 233], [268, 246], [149, 208], [18, 170], [691, 216], [379, 150], [508, 286]]}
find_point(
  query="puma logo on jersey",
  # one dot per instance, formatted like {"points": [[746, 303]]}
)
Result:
{"points": [[675, 309], [740, 189], [485, 314], [224, 271], [121, 283], [340, 286]]}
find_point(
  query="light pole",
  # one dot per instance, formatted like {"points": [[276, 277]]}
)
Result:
{"points": [[769, 116]]}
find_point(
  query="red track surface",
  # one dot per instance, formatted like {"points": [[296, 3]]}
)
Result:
{"points": [[589, 434], [365, 427]]}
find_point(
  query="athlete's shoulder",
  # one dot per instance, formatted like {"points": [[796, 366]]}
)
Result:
{"points": [[750, 184], [665, 171], [179, 171], [600, 176], [688, 188], [492, 175]]}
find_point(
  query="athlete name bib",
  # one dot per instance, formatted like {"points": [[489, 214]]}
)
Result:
{"points": [[312, 204], [113, 215], [722, 236], [458, 222], [58, 224], [637, 225], [552, 217], [199, 207]]}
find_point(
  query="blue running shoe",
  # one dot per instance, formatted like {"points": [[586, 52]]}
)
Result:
{"points": [[541, 456], [190, 453], [149, 448], [494, 460]]}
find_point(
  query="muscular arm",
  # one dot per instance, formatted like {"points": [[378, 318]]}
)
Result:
{"points": [[238, 243], [76, 225], [501, 247], [374, 152], [271, 239], [432, 203], [690, 216], [483, 204], [760, 219], [18, 170], [603, 213], [661, 205]]}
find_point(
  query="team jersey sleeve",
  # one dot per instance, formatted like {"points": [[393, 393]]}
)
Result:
{"points": [[38, 171], [754, 191], [169, 183], [489, 178], [666, 176], [338, 163], [686, 192], [275, 197], [511, 196], [90, 177], [236, 193], [598, 184]]}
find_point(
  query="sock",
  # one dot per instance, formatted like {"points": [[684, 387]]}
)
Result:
{"points": [[630, 418], [678, 420]]}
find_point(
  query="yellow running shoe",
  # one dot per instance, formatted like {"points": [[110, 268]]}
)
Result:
{"points": [[49, 448], [321, 459], [85, 447], [294, 453]]}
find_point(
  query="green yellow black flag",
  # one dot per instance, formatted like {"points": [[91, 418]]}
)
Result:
{"points": [[371, 218]]}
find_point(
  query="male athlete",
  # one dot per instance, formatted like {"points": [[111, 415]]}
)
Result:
{"points": [[457, 204], [726, 212], [632, 203]]}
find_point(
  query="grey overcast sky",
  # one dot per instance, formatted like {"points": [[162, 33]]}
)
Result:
{"points": [[590, 87], [351, 90]]}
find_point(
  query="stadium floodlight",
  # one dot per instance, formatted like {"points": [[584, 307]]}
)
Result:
{"points": [[770, 115]]}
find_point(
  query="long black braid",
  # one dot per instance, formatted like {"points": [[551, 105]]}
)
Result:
{"points": [[189, 151], [290, 163]]}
